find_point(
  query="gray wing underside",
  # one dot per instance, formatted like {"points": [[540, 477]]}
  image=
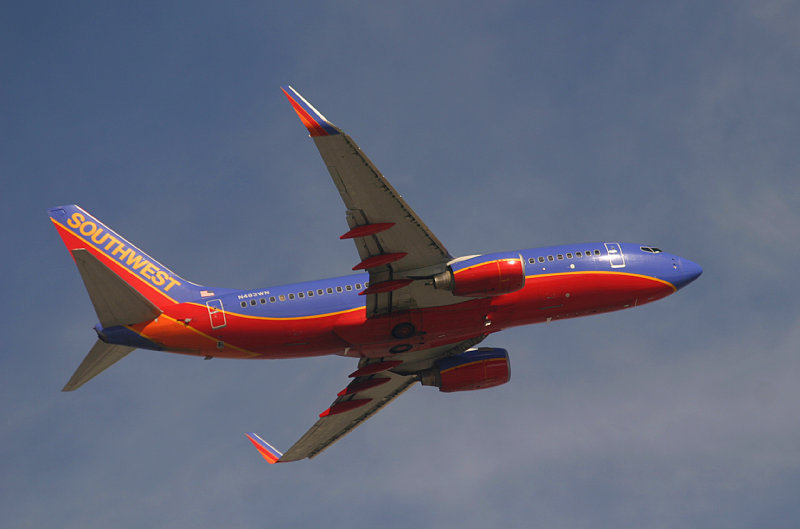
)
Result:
{"points": [[369, 198], [329, 429]]}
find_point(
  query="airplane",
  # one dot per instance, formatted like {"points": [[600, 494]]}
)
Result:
{"points": [[410, 313]]}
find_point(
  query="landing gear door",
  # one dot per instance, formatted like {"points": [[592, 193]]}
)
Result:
{"points": [[615, 257], [216, 313]]}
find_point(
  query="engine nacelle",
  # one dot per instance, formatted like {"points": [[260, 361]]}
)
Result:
{"points": [[484, 275], [480, 368]]}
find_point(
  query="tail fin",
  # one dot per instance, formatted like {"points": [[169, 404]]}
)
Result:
{"points": [[114, 300], [107, 261], [101, 357]]}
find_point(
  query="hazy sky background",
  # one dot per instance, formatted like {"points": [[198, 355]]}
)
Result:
{"points": [[507, 125]]}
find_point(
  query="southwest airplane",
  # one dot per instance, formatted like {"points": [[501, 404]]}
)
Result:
{"points": [[412, 313]]}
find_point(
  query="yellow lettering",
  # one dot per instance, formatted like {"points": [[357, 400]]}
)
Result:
{"points": [[76, 220], [99, 232], [172, 283], [147, 270], [111, 242], [86, 225], [119, 249], [160, 278], [135, 261]]}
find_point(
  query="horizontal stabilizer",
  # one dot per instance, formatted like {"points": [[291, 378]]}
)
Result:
{"points": [[100, 357], [115, 301]]}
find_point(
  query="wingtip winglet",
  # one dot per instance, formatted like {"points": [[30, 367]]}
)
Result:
{"points": [[313, 120], [266, 450]]}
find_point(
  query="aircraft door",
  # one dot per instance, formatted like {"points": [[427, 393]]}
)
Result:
{"points": [[615, 257], [217, 313]]}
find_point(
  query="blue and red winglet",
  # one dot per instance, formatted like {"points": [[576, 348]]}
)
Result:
{"points": [[315, 122], [266, 450]]}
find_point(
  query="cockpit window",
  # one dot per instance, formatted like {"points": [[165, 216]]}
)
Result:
{"points": [[650, 249]]}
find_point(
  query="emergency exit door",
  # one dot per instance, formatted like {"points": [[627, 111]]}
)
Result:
{"points": [[216, 313], [615, 257]]}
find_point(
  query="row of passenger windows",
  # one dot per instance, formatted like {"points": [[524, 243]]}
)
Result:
{"points": [[560, 257], [308, 293]]}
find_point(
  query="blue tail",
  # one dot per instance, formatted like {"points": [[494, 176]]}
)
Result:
{"points": [[157, 283]]}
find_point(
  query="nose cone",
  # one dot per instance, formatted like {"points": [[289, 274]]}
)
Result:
{"points": [[686, 273]]}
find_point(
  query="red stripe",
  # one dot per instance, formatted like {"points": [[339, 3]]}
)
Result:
{"points": [[385, 286], [371, 369], [344, 406], [367, 229], [379, 260], [361, 385], [313, 126]]}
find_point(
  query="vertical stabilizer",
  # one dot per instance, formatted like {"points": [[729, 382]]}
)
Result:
{"points": [[154, 281], [114, 300]]}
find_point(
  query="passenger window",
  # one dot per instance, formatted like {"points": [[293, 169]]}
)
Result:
{"points": [[301, 295], [320, 291], [541, 259], [569, 256], [282, 297], [291, 296], [366, 285], [310, 293], [263, 301], [531, 260], [578, 254], [358, 286], [338, 289], [272, 299], [597, 252], [329, 290], [550, 258], [348, 287], [253, 302], [560, 257], [244, 304]]}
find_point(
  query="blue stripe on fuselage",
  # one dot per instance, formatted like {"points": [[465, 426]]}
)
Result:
{"points": [[637, 262], [298, 307]]}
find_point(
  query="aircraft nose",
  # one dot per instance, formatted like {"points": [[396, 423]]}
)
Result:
{"points": [[686, 273]]}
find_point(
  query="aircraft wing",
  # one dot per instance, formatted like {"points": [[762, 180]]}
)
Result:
{"points": [[392, 241], [375, 383], [352, 407]]}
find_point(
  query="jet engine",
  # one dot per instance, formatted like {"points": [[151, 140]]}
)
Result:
{"points": [[484, 275], [479, 368]]}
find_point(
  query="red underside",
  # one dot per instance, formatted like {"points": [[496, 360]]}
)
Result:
{"points": [[544, 298]]}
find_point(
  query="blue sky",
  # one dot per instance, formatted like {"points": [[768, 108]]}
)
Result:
{"points": [[505, 125]]}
